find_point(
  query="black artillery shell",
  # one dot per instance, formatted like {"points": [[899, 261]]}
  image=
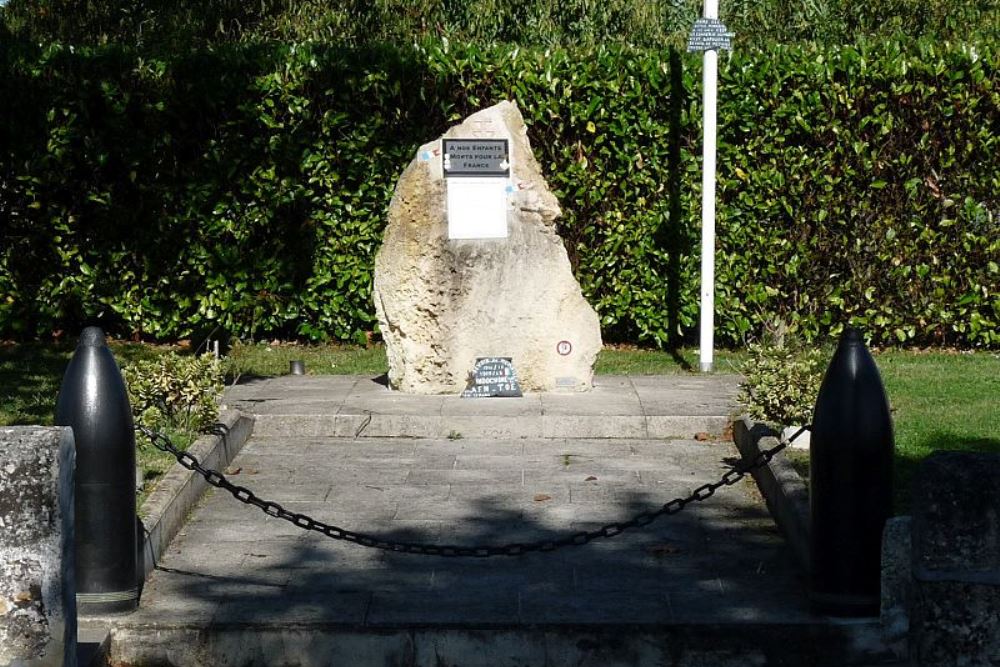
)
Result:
{"points": [[92, 400], [850, 470]]}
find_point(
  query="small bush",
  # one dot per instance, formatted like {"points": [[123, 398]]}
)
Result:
{"points": [[782, 382], [174, 392]]}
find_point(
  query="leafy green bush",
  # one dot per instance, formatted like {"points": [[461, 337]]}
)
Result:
{"points": [[174, 392], [246, 186], [781, 382], [184, 24]]}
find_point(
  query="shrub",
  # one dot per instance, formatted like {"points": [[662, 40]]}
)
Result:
{"points": [[781, 382], [174, 392]]}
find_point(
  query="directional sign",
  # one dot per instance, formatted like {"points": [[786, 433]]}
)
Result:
{"points": [[710, 35]]}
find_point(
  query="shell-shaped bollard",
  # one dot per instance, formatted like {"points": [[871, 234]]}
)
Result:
{"points": [[92, 400], [850, 480]]}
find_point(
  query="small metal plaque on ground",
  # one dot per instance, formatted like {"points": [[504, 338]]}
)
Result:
{"points": [[492, 376]]}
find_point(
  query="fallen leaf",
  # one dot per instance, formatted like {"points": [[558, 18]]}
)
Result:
{"points": [[702, 436], [22, 596], [234, 471], [590, 478], [542, 497], [661, 549]]}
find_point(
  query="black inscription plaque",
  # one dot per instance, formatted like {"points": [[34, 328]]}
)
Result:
{"points": [[492, 376], [476, 157], [710, 35]]}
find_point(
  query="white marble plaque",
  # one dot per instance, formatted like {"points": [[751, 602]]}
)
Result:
{"points": [[477, 208]]}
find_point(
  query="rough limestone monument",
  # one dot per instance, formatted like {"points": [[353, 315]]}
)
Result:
{"points": [[471, 267]]}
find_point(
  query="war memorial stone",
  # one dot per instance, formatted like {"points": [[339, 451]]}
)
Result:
{"points": [[471, 267]]}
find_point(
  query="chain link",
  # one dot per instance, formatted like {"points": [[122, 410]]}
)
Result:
{"points": [[271, 508]]}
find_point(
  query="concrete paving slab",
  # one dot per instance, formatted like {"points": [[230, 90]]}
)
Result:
{"points": [[293, 426], [452, 511], [527, 405], [295, 606], [378, 425], [481, 607], [493, 461], [578, 607], [388, 402], [593, 426], [576, 449], [600, 401], [669, 427], [701, 396], [491, 426]]}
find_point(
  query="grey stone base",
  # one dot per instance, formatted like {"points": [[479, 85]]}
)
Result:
{"points": [[696, 645]]}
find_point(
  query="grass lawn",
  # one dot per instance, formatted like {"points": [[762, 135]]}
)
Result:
{"points": [[268, 360], [940, 400], [30, 376]]}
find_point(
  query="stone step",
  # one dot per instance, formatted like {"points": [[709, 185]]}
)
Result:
{"points": [[269, 642], [656, 407], [379, 425]]}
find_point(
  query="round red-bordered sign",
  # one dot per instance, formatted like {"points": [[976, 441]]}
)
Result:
{"points": [[564, 347]]}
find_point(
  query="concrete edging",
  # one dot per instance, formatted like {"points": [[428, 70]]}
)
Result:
{"points": [[175, 494], [784, 491]]}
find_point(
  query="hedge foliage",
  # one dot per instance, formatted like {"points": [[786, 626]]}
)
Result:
{"points": [[169, 25], [246, 186]]}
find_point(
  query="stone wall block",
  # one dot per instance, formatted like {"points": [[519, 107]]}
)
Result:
{"points": [[37, 594], [955, 607]]}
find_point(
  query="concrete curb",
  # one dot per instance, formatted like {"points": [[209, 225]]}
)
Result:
{"points": [[168, 505], [784, 491], [375, 425]]}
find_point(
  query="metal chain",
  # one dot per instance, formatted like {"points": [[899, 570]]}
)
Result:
{"points": [[271, 508]]}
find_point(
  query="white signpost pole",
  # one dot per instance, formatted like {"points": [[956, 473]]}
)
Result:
{"points": [[709, 79]]}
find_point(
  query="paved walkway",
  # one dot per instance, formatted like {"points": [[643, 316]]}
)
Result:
{"points": [[236, 582], [720, 560]]}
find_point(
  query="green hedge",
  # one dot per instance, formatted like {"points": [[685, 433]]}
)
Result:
{"points": [[246, 186], [158, 26]]}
